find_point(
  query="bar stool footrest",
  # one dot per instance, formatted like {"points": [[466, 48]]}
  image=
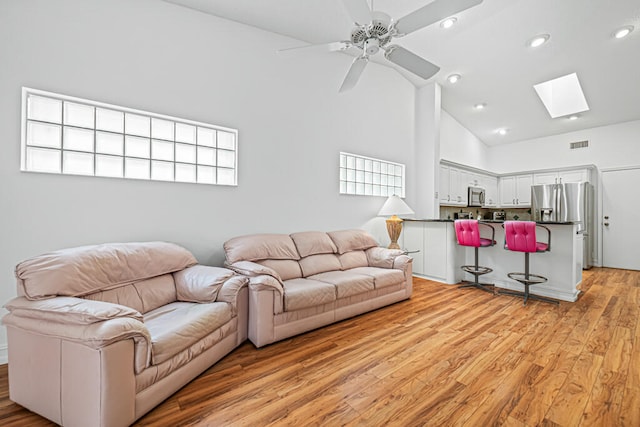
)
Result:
{"points": [[533, 279], [479, 271]]}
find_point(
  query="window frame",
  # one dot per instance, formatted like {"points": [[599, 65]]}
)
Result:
{"points": [[229, 135], [370, 175]]}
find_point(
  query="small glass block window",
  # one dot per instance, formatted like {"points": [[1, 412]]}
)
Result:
{"points": [[365, 176], [76, 136]]}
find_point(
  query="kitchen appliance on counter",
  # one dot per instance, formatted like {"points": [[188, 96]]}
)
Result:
{"points": [[571, 202], [499, 216], [475, 197], [462, 215]]}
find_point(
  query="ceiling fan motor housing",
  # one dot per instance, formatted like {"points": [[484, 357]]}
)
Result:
{"points": [[373, 36]]}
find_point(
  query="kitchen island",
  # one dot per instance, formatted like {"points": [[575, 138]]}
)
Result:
{"points": [[440, 257]]}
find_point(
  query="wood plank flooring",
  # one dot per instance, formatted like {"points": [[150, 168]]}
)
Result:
{"points": [[449, 356]]}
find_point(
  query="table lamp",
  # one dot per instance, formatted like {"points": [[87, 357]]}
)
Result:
{"points": [[394, 206]]}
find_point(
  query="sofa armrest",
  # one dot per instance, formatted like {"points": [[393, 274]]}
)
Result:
{"points": [[231, 289], [70, 310], [200, 283], [95, 335], [404, 263], [265, 282], [382, 257], [252, 269]]}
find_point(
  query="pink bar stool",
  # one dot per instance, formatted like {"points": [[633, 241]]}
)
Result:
{"points": [[520, 236], [468, 234]]}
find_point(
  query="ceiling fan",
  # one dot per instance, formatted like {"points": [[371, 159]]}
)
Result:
{"points": [[375, 31]]}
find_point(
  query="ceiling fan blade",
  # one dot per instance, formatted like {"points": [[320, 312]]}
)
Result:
{"points": [[319, 48], [411, 62], [353, 75], [433, 12], [358, 10]]}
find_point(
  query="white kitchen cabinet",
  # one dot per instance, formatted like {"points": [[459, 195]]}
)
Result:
{"points": [[564, 177], [515, 191], [438, 256], [413, 240], [580, 175], [453, 186], [490, 184], [543, 178], [523, 190], [444, 185]]}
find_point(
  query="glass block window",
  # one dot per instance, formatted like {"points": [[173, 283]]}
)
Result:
{"points": [[366, 176], [76, 136]]}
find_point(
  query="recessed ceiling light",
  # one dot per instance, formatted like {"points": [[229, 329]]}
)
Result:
{"points": [[623, 32], [480, 106], [538, 40], [448, 23], [454, 78], [502, 131], [573, 117]]}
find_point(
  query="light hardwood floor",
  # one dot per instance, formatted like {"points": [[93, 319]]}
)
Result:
{"points": [[448, 356]]}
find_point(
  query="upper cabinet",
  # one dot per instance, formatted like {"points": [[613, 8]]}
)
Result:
{"points": [[508, 191], [455, 183], [561, 177], [453, 186], [490, 184], [515, 190]]}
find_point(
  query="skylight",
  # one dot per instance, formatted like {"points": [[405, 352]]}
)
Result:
{"points": [[562, 96]]}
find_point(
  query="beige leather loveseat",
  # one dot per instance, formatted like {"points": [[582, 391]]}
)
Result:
{"points": [[99, 335], [302, 281]]}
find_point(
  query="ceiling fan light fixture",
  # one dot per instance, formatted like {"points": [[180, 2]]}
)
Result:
{"points": [[538, 40], [448, 23], [371, 46], [453, 78], [623, 32]]}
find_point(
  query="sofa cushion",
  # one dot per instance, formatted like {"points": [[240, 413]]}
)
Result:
{"points": [[313, 243], [352, 240], [260, 246], [200, 283], [144, 296], [85, 270], [178, 325], [315, 264], [347, 283], [285, 268], [303, 293], [383, 277], [353, 259]]}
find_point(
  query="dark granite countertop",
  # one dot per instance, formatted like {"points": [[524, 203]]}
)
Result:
{"points": [[492, 221]]}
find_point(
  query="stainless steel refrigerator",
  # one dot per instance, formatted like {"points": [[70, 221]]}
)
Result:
{"points": [[563, 203]]}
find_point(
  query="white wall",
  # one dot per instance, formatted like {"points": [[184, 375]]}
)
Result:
{"points": [[458, 144], [158, 57], [609, 146]]}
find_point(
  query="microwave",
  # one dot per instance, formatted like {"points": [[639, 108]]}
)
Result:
{"points": [[476, 196]]}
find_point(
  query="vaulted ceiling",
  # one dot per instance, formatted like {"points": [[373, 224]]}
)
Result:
{"points": [[488, 47]]}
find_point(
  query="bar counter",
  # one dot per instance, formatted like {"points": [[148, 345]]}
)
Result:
{"points": [[440, 257]]}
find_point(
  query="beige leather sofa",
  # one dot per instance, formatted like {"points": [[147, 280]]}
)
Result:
{"points": [[302, 281], [99, 335]]}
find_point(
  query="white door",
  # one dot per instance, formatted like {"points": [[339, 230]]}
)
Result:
{"points": [[620, 211]]}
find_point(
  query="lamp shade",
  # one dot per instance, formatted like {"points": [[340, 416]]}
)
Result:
{"points": [[395, 206]]}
